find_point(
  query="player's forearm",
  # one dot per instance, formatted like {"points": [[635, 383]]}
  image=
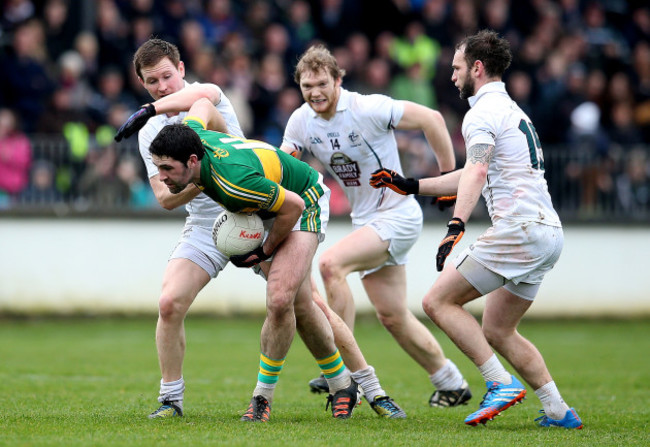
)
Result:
{"points": [[439, 139], [171, 201], [183, 99], [444, 185], [470, 185]]}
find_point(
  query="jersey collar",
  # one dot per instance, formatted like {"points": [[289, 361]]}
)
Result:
{"points": [[490, 87]]}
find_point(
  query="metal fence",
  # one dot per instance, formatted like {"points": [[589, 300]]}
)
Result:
{"points": [[85, 178]]}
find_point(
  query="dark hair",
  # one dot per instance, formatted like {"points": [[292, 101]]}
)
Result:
{"points": [[177, 141], [486, 46], [153, 51], [317, 58]]}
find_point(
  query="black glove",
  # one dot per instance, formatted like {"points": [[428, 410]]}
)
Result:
{"points": [[444, 202], [251, 258], [135, 122], [388, 178], [456, 230]]}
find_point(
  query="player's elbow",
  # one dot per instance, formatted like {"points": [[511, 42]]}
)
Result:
{"points": [[209, 92]]}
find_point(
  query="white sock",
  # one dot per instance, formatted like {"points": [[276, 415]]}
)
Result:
{"points": [[172, 391], [447, 378], [339, 382], [554, 405], [265, 390], [493, 371], [368, 381]]}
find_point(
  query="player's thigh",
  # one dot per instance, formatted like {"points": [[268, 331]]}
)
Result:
{"points": [[503, 311], [182, 281], [386, 289], [362, 249], [291, 264], [449, 288]]}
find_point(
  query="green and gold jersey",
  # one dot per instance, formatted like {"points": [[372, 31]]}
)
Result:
{"points": [[249, 175]]}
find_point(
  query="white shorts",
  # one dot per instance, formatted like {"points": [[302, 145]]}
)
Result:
{"points": [[516, 255], [400, 226], [197, 245]]}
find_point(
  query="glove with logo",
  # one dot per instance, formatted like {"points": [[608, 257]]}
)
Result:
{"points": [[251, 258], [135, 122], [382, 178], [456, 230], [444, 202]]}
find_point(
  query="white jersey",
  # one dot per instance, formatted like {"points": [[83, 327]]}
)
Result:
{"points": [[354, 143], [201, 205], [515, 188]]}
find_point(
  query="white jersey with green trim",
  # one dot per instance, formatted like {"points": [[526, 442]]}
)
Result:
{"points": [[201, 205], [354, 143], [515, 189]]}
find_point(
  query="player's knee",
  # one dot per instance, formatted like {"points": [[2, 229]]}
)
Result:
{"points": [[169, 308], [495, 336], [390, 321], [431, 307], [279, 304], [329, 268]]}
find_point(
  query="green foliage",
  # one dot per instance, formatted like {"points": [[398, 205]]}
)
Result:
{"points": [[78, 382]]}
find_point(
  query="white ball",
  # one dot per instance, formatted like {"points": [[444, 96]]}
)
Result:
{"points": [[237, 233]]}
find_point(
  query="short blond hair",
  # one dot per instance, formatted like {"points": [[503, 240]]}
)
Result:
{"points": [[317, 58]]}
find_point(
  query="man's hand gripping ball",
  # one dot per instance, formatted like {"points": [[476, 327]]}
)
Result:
{"points": [[251, 258]]}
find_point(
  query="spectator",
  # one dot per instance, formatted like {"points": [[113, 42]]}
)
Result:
{"points": [[88, 48], [60, 28], [141, 195], [336, 20], [218, 21], [72, 79], [111, 91], [376, 78], [41, 190], [358, 47], [288, 100], [642, 92], [300, 26], [435, 16], [415, 47], [191, 42], [14, 13], [413, 86], [622, 129], [270, 80], [633, 184], [112, 33], [100, 187], [24, 81], [15, 158]]}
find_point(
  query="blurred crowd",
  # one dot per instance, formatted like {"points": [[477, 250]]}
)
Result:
{"points": [[581, 70]]}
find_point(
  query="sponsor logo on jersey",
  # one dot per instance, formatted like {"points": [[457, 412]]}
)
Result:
{"points": [[346, 169], [315, 140]]}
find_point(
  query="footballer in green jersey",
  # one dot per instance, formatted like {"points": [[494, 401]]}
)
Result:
{"points": [[250, 176]]}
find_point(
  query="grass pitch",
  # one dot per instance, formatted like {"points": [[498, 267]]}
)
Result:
{"points": [[91, 382]]}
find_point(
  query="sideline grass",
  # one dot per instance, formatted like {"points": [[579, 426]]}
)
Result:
{"points": [[82, 382]]}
